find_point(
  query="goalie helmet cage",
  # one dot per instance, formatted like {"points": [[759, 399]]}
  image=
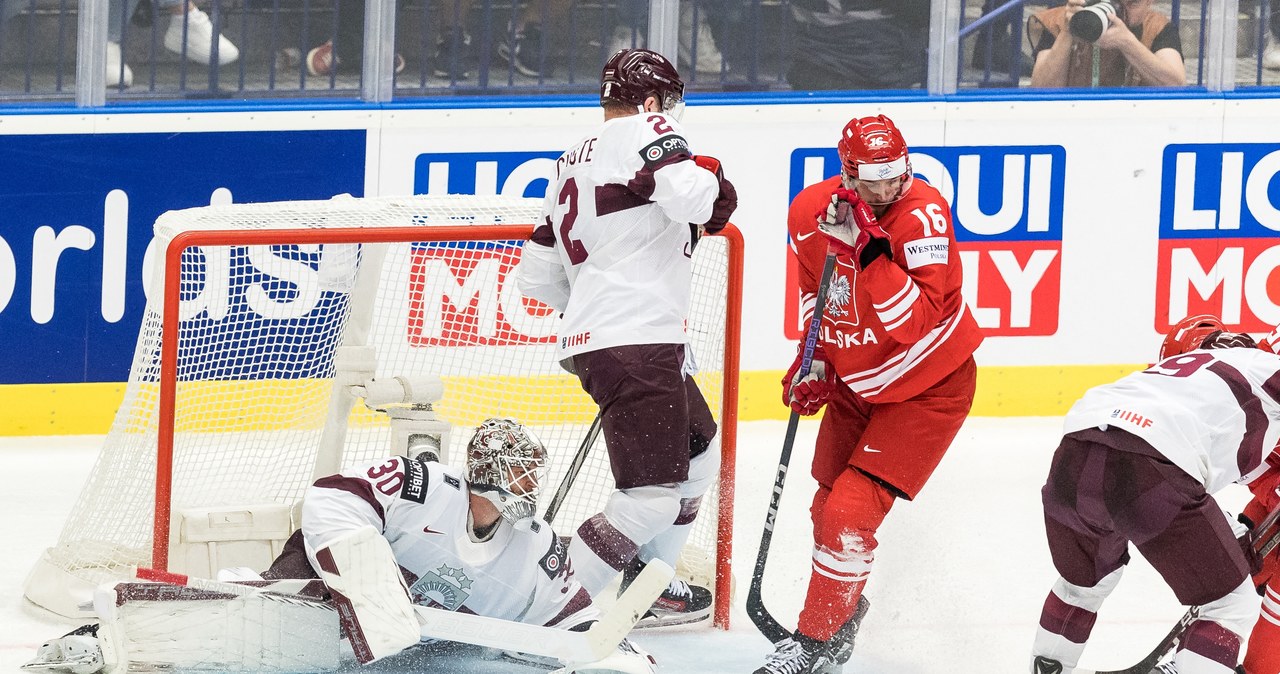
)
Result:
{"points": [[247, 404]]}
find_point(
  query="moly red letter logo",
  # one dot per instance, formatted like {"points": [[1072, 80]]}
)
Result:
{"points": [[1006, 205], [1219, 223], [465, 294]]}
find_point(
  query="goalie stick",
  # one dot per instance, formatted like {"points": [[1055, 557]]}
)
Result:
{"points": [[1173, 639], [764, 621], [578, 459], [571, 647]]}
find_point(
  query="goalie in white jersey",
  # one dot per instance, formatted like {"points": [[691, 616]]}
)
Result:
{"points": [[460, 540], [1138, 462], [614, 255]]}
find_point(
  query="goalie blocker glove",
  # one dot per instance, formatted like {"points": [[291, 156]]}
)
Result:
{"points": [[852, 227], [806, 395]]}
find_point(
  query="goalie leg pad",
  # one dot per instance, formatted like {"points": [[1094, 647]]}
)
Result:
{"points": [[151, 626], [370, 594]]}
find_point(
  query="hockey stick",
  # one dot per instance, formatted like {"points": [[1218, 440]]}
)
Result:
{"points": [[1174, 638], [764, 621], [572, 647], [578, 459]]}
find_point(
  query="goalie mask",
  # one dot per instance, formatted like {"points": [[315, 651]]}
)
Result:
{"points": [[632, 75], [505, 465], [874, 160]]}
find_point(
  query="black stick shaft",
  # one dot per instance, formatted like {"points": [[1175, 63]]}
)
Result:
{"points": [[760, 616]]}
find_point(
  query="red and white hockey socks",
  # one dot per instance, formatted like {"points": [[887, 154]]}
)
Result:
{"points": [[1068, 616], [1264, 643], [703, 470], [608, 541], [1212, 643], [845, 524]]}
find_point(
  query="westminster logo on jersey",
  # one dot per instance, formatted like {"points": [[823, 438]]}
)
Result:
{"points": [[447, 587]]}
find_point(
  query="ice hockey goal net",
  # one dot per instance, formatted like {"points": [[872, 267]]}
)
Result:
{"points": [[232, 399]]}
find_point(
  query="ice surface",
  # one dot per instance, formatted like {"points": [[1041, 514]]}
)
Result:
{"points": [[957, 586]]}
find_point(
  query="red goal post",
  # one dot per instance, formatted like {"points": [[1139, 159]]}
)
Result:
{"points": [[237, 396]]}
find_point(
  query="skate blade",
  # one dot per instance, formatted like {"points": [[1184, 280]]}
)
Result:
{"points": [[672, 619]]}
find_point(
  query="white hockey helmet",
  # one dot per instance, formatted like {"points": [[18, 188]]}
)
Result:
{"points": [[506, 464]]}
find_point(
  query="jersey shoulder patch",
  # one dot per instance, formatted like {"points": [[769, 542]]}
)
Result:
{"points": [[415, 481], [664, 150], [557, 555], [927, 251]]}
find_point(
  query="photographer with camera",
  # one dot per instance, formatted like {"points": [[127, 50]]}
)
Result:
{"points": [[1105, 43]]}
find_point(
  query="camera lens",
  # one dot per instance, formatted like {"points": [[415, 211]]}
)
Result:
{"points": [[1089, 23]]}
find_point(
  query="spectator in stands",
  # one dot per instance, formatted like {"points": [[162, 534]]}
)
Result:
{"points": [[858, 44], [345, 46], [1271, 52], [190, 33], [1140, 46], [529, 51], [697, 50]]}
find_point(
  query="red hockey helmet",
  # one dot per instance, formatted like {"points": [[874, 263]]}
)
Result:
{"points": [[1189, 334], [1271, 342], [873, 156], [632, 75]]}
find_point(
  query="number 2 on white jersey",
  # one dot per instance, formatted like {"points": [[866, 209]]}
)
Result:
{"points": [[572, 247]]}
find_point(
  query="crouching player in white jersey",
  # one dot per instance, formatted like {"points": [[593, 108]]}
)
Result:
{"points": [[409, 531], [1138, 463], [614, 255]]}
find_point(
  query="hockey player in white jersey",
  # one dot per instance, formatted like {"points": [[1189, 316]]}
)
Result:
{"points": [[411, 530], [1138, 462], [622, 216]]}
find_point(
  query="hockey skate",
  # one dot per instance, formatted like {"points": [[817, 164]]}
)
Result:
{"points": [[799, 654], [680, 604], [75, 653], [1043, 665]]}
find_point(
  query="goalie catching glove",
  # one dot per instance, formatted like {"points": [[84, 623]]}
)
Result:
{"points": [[853, 230], [806, 394]]}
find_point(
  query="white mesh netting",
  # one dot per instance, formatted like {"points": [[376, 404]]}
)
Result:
{"points": [[258, 328]]}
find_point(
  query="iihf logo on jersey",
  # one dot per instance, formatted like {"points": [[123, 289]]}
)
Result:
{"points": [[446, 587], [1131, 417]]}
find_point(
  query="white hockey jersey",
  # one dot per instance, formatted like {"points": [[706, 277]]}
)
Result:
{"points": [[1215, 414], [520, 573], [613, 253]]}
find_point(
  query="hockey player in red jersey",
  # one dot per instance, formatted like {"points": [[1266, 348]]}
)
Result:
{"points": [[1138, 463], [893, 366], [1263, 656]]}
